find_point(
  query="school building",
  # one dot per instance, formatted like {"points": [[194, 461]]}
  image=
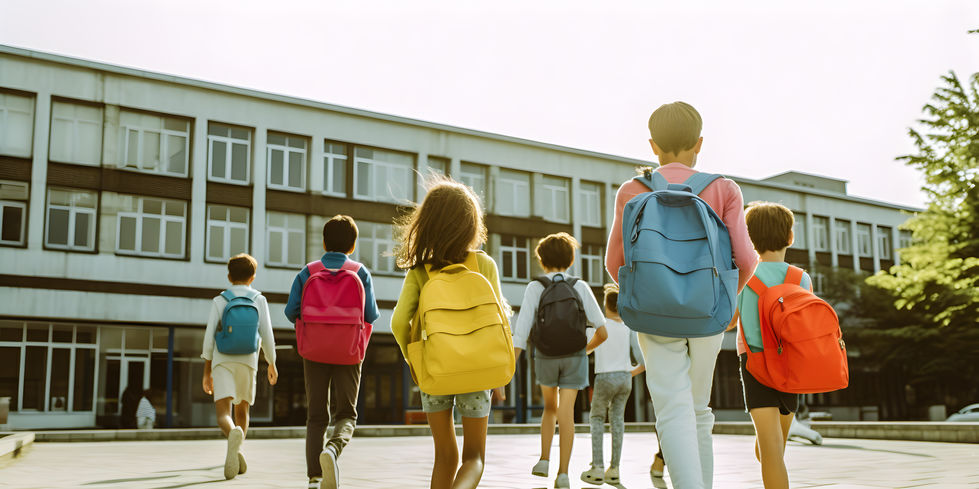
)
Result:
{"points": [[123, 192]]}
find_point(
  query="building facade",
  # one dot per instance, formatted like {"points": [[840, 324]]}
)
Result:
{"points": [[124, 192]]}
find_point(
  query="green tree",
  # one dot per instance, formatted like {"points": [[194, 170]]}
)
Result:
{"points": [[934, 324]]}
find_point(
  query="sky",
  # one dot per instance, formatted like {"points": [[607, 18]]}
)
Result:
{"points": [[826, 87]]}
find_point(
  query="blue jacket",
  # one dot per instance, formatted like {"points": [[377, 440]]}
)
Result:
{"points": [[332, 260]]}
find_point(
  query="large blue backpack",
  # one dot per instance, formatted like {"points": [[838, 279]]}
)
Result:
{"points": [[679, 278], [237, 333]]}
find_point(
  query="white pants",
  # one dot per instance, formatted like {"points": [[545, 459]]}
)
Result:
{"points": [[679, 373]]}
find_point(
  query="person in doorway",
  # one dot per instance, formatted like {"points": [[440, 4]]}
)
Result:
{"points": [[145, 412]]}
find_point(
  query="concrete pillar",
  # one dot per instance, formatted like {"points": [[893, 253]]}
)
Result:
{"points": [[855, 245], [259, 182], [198, 190], [314, 179], [810, 238], [573, 193], [874, 247], [455, 168], [421, 174], [492, 175], [833, 250], [895, 244], [39, 171], [536, 203]]}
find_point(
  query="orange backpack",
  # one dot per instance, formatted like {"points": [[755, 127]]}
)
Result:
{"points": [[803, 349]]}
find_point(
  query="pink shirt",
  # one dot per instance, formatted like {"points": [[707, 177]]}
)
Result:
{"points": [[723, 195]]}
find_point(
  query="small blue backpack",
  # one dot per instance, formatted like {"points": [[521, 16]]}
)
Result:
{"points": [[679, 279], [237, 333]]}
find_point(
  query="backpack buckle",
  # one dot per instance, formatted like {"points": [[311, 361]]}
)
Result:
{"points": [[424, 335]]}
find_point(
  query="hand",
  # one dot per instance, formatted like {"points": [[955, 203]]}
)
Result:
{"points": [[273, 374], [499, 394], [208, 384]]}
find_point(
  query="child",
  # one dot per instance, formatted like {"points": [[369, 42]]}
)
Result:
{"points": [[231, 378], [560, 376], [331, 389], [680, 370], [446, 229], [613, 385], [145, 413], [771, 411]]}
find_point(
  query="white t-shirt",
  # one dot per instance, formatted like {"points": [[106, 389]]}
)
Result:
{"points": [[145, 409], [615, 354], [267, 342], [531, 299]]}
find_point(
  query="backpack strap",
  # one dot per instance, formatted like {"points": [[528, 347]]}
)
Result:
{"points": [[756, 285], [228, 295], [654, 180], [252, 295], [699, 181], [543, 280], [350, 265], [793, 275], [315, 267]]}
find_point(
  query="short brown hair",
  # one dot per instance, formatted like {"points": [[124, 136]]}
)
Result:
{"points": [[556, 251], [612, 297], [675, 127], [443, 229], [339, 234], [769, 225], [241, 267]]}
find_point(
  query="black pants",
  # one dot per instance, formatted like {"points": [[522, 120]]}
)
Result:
{"points": [[331, 397]]}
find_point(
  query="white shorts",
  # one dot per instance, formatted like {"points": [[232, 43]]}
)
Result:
{"points": [[234, 380]]}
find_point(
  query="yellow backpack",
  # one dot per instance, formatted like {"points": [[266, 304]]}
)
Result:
{"points": [[462, 335]]}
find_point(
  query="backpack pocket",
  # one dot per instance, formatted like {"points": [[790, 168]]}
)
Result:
{"points": [[669, 290]]}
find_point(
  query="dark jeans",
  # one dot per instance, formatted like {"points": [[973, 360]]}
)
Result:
{"points": [[331, 396]]}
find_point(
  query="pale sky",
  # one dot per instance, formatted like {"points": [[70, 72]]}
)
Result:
{"points": [[823, 87]]}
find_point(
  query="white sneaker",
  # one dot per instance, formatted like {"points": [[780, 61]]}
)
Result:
{"points": [[594, 475], [562, 481], [656, 476], [331, 472], [611, 475], [540, 468], [314, 482], [231, 459], [242, 466]]}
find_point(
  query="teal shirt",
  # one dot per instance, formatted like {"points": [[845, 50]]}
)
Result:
{"points": [[771, 274]]}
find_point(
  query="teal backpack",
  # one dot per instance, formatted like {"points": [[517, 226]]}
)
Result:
{"points": [[679, 278], [237, 333]]}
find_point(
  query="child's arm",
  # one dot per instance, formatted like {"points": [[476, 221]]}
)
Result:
{"points": [[370, 303], [601, 334], [525, 320], [636, 353], [593, 312], [268, 339], [404, 312], [207, 382], [295, 295], [743, 251], [734, 321], [614, 252], [207, 349]]}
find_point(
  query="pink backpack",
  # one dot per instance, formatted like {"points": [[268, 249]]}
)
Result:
{"points": [[331, 327]]}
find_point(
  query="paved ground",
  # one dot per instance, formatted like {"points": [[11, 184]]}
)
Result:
{"points": [[405, 462]]}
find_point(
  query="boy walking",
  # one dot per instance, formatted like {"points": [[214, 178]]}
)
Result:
{"points": [[554, 315], [231, 357], [680, 366], [332, 305]]}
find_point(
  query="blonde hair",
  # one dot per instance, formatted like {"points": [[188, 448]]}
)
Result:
{"points": [[769, 225], [675, 127], [443, 229]]}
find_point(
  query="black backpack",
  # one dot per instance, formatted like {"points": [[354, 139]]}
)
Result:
{"points": [[559, 328]]}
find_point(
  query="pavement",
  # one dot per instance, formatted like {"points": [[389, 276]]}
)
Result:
{"points": [[405, 462]]}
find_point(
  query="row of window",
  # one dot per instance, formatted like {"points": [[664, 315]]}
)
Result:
{"points": [[843, 242], [161, 144]]}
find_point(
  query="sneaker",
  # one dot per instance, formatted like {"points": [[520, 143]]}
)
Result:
{"points": [[594, 475], [314, 482], [540, 469], [611, 475], [242, 466], [331, 472], [562, 481], [231, 459], [656, 476]]}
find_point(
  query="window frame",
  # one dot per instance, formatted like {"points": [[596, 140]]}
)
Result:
{"points": [[285, 231], [585, 207], [551, 191], [73, 146], [165, 135], [5, 124], [885, 249], [72, 213], [864, 231], [330, 159], [287, 152], [844, 240], [373, 165], [589, 258], [515, 249], [23, 222], [369, 239], [164, 219], [468, 177], [503, 179], [229, 141], [820, 233], [226, 225]]}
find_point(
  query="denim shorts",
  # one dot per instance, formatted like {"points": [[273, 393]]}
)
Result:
{"points": [[471, 405], [564, 372]]}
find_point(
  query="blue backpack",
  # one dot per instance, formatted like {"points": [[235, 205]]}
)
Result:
{"points": [[237, 333], [679, 278]]}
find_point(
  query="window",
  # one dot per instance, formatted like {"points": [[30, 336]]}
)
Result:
{"points": [[286, 162], [904, 239], [375, 247], [154, 143], [820, 233], [227, 232], [863, 240], [799, 230], [384, 176], [438, 165], [228, 153], [842, 230], [515, 258], [555, 199], [13, 212], [590, 204], [592, 264], [76, 133], [884, 243], [71, 220], [818, 282], [335, 169], [513, 194], [152, 227], [286, 239], [475, 176], [16, 124]]}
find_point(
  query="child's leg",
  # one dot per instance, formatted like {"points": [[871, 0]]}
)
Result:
{"points": [[316, 376], [241, 416], [547, 420], [446, 450], [786, 421], [770, 444], [565, 416], [223, 407], [617, 414], [473, 453], [344, 388], [599, 407]]}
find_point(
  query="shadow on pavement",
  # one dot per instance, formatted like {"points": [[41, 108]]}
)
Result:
{"points": [[133, 479], [854, 447]]}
